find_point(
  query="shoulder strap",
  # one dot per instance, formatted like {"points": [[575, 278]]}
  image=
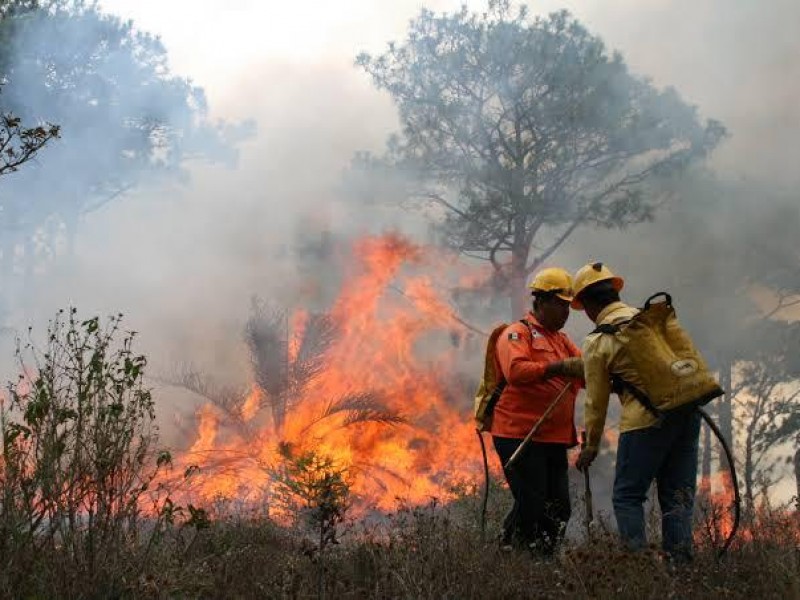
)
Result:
{"points": [[618, 385], [606, 328], [501, 384], [496, 393], [610, 328]]}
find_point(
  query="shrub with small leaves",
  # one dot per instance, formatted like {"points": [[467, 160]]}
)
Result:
{"points": [[77, 440], [312, 489]]}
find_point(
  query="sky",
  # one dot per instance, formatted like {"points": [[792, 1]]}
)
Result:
{"points": [[735, 59], [290, 67]]}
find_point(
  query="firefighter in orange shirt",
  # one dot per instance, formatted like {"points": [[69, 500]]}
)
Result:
{"points": [[537, 360]]}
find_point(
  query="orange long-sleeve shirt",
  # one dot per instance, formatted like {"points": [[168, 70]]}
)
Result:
{"points": [[523, 353]]}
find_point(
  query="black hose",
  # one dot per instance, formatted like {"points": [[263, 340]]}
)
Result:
{"points": [[737, 500], [485, 485]]}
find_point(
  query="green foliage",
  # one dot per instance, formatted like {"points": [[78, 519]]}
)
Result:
{"points": [[77, 437], [314, 490], [19, 144]]}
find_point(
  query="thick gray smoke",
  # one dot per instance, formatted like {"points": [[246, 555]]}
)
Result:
{"points": [[182, 256]]}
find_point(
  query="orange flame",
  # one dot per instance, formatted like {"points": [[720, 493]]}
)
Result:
{"points": [[716, 499], [206, 431], [390, 348], [252, 404], [716, 502]]}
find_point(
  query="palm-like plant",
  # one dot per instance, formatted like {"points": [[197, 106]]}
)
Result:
{"points": [[281, 380]]}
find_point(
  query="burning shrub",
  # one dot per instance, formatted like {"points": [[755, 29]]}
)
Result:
{"points": [[312, 489], [315, 491]]}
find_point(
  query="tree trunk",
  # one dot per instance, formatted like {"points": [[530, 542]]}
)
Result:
{"points": [[705, 465], [749, 475], [726, 420], [518, 291]]}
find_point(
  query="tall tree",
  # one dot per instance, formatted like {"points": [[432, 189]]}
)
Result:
{"points": [[125, 118], [766, 408], [769, 255], [19, 142], [520, 131]]}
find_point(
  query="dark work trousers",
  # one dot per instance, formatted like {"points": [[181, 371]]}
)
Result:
{"points": [[668, 454], [540, 486]]}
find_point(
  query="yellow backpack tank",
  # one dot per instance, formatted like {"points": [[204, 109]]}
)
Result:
{"points": [[671, 371]]}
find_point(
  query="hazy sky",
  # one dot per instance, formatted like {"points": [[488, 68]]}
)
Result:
{"points": [[738, 60], [193, 255], [289, 66]]}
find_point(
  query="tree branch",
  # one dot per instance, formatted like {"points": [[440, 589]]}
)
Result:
{"points": [[452, 313], [554, 246]]}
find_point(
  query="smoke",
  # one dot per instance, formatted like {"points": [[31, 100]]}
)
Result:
{"points": [[182, 257]]}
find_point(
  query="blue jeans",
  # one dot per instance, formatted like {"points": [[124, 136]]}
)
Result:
{"points": [[668, 454]]}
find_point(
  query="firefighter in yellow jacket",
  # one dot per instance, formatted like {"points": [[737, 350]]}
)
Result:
{"points": [[649, 448]]}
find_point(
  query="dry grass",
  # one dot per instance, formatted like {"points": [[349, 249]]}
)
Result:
{"points": [[429, 552]]}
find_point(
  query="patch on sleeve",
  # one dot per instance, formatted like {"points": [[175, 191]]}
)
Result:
{"points": [[514, 335]]}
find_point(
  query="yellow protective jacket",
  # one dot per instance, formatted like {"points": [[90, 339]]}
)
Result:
{"points": [[601, 357]]}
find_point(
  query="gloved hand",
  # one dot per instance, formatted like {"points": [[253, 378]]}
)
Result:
{"points": [[586, 458], [569, 367]]}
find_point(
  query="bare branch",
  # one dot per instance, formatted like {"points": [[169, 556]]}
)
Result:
{"points": [[537, 262], [452, 314]]}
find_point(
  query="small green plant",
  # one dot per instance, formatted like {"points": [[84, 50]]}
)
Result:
{"points": [[312, 489]]}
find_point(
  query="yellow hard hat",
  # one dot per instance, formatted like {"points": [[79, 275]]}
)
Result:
{"points": [[591, 274], [553, 280]]}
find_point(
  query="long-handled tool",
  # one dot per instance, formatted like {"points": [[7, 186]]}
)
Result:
{"points": [[587, 496], [485, 501], [535, 428]]}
